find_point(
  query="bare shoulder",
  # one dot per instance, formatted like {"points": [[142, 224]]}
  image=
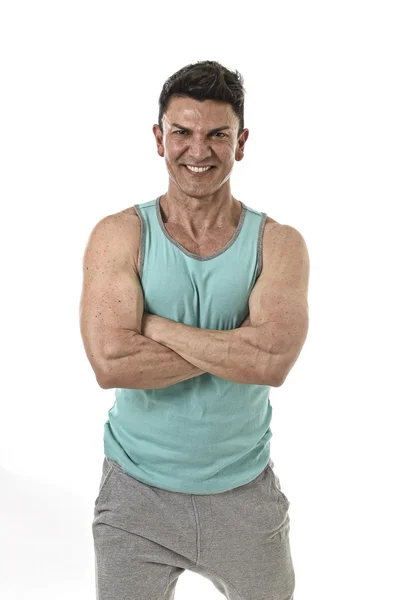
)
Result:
{"points": [[269, 220], [130, 212], [285, 239], [126, 228], [273, 230], [125, 222]]}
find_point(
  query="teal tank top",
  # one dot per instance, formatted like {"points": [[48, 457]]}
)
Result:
{"points": [[204, 435]]}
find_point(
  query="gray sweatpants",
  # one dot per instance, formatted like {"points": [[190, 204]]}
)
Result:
{"points": [[145, 537]]}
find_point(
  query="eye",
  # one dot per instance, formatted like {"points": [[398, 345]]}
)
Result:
{"points": [[216, 133]]}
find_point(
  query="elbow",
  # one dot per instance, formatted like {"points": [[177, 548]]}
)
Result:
{"points": [[273, 381], [269, 379], [280, 375], [275, 372], [104, 384], [103, 378], [278, 382]]}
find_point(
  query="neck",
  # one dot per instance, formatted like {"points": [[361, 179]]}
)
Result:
{"points": [[200, 216]]}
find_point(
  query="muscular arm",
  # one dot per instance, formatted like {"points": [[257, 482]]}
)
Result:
{"points": [[264, 353], [147, 364], [111, 316], [237, 355]]}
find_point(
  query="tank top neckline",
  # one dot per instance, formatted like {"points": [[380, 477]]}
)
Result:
{"points": [[197, 256]]}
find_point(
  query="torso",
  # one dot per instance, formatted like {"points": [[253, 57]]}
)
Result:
{"points": [[211, 246]]}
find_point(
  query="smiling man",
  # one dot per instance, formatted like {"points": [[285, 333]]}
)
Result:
{"points": [[199, 156], [194, 305]]}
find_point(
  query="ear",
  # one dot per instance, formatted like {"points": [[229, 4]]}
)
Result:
{"points": [[158, 139]]}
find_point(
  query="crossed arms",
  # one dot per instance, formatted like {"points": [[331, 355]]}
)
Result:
{"points": [[262, 351]]}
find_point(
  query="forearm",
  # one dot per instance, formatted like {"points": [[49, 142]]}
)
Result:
{"points": [[146, 364], [237, 355]]}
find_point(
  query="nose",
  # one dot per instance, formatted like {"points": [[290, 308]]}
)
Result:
{"points": [[199, 150]]}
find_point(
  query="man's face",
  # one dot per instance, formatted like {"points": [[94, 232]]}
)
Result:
{"points": [[189, 139]]}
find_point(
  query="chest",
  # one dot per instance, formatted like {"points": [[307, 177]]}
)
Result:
{"points": [[212, 244]]}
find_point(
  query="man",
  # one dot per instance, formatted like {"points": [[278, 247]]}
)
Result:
{"points": [[187, 479]]}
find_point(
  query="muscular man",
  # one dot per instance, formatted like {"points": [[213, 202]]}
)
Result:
{"points": [[193, 306]]}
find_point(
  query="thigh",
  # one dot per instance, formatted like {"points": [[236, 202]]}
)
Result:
{"points": [[128, 565], [245, 549]]}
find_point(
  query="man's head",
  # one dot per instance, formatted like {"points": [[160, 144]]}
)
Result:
{"points": [[201, 123]]}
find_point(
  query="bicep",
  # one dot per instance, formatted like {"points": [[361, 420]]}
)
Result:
{"points": [[279, 300], [112, 303]]}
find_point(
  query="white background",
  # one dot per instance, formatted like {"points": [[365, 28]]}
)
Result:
{"points": [[80, 83]]}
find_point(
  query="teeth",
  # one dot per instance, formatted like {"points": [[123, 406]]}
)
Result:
{"points": [[198, 169]]}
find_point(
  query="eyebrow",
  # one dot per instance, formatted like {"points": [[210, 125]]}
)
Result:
{"points": [[211, 131]]}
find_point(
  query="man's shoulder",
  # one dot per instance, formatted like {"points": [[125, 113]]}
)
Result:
{"points": [[124, 226], [282, 236], [275, 229], [128, 214], [122, 222]]}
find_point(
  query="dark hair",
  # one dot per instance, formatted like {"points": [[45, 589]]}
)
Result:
{"points": [[206, 80]]}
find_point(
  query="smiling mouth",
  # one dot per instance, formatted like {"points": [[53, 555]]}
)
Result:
{"points": [[202, 172]]}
